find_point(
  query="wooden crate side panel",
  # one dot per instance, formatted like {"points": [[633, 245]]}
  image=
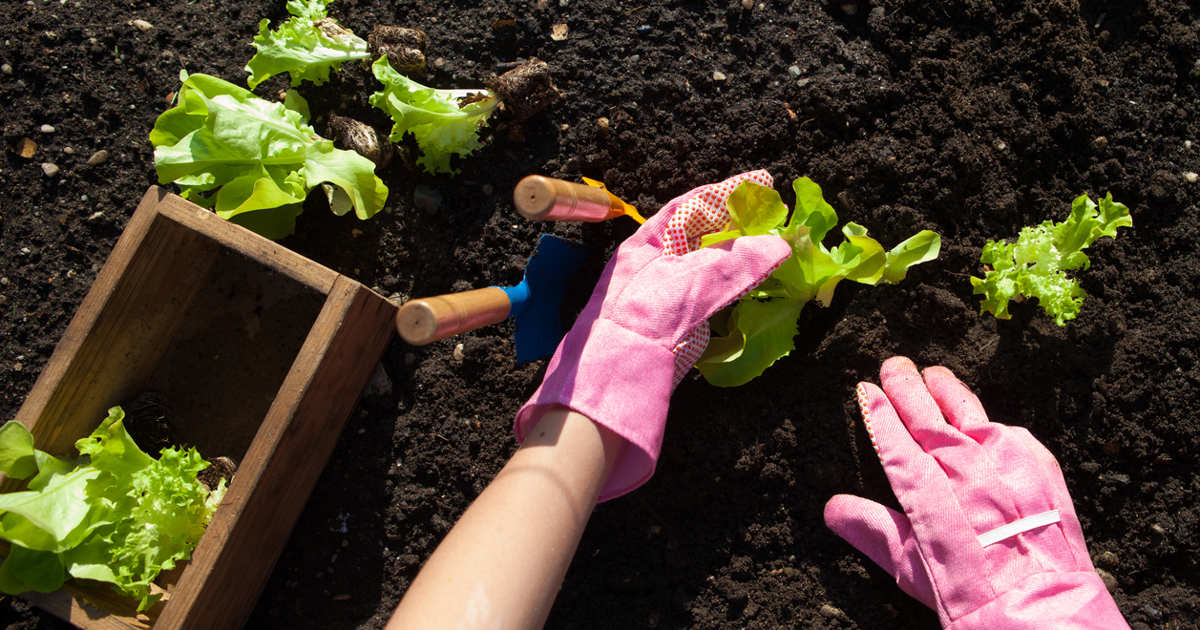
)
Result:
{"points": [[238, 551], [120, 329], [76, 610], [239, 239]]}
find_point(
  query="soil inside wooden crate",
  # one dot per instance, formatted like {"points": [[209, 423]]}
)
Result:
{"points": [[226, 360]]}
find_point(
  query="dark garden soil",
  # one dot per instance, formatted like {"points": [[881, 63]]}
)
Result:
{"points": [[969, 117]]}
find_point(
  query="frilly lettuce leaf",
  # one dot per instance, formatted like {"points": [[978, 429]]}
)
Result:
{"points": [[253, 161], [307, 46], [759, 329], [444, 122], [1036, 265], [116, 514]]}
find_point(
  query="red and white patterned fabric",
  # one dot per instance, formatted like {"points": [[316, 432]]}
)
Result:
{"points": [[701, 211]]}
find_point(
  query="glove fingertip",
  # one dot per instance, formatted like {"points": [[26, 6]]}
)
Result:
{"points": [[838, 512]]}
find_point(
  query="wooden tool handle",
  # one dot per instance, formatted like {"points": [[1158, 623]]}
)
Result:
{"points": [[541, 198], [426, 320]]}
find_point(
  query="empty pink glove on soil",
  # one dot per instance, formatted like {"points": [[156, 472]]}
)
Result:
{"points": [[635, 338], [989, 537]]}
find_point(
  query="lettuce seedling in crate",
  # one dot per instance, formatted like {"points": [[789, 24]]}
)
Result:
{"points": [[115, 514], [1036, 265], [759, 329], [253, 161]]}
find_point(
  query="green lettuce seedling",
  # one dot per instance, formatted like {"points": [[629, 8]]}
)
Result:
{"points": [[760, 328], [115, 514], [1036, 265], [253, 161], [444, 122], [307, 46]]}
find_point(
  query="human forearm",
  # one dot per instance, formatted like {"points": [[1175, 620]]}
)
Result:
{"points": [[501, 564]]}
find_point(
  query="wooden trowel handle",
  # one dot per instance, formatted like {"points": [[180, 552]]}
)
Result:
{"points": [[426, 320], [541, 198]]}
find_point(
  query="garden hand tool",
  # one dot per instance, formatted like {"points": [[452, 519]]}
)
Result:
{"points": [[534, 304], [622, 359], [540, 198], [988, 537]]}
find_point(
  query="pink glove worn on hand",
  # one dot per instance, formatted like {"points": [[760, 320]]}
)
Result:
{"points": [[636, 337], [989, 537]]}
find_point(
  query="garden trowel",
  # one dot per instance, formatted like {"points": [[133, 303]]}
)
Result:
{"points": [[534, 304], [540, 198]]}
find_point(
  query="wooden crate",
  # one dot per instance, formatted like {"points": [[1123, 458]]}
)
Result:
{"points": [[259, 353]]}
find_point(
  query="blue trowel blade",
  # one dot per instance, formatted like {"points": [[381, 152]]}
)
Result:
{"points": [[536, 301]]}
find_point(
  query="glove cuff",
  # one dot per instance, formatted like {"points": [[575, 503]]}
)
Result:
{"points": [[1063, 601], [623, 384]]}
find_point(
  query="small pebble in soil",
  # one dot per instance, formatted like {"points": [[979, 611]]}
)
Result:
{"points": [[98, 158], [1107, 559], [602, 122], [141, 25], [1190, 177], [717, 75], [559, 32], [28, 148], [69, 150], [95, 215], [1000, 145], [803, 82], [747, 4], [6, 69], [458, 352], [50, 169], [794, 70], [832, 612], [46, 129], [1113, 477]]}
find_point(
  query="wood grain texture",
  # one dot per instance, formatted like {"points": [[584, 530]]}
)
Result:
{"points": [[238, 551], [76, 608], [239, 239]]}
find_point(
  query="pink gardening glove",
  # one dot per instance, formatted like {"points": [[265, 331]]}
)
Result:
{"points": [[989, 537], [636, 337]]}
